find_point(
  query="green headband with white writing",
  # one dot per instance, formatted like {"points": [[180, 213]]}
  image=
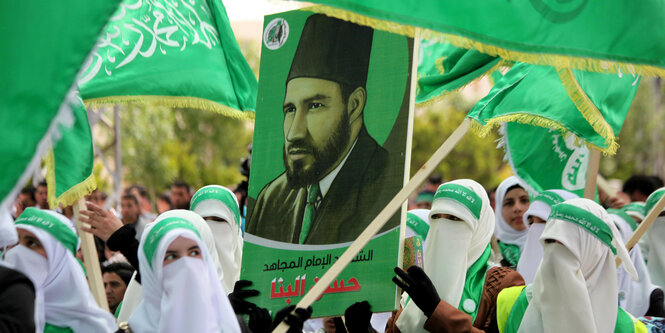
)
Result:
{"points": [[417, 224], [461, 194], [51, 224], [549, 198], [219, 194], [160, 229], [585, 219]]}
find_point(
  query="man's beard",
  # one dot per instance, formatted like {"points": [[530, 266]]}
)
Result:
{"points": [[298, 175]]}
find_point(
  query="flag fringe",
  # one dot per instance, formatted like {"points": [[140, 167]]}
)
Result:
{"points": [[73, 194], [442, 94], [555, 60], [586, 106], [172, 102], [483, 130]]}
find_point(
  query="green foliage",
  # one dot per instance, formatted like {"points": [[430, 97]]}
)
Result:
{"points": [[199, 147], [642, 136], [474, 157]]}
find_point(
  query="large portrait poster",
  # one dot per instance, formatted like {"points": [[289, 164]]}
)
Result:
{"points": [[330, 151]]}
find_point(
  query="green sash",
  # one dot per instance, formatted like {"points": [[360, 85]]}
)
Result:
{"points": [[48, 328], [474, 284], [624, 323]]}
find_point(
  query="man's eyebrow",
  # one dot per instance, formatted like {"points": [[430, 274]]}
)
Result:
{"points": [[310, 99]]}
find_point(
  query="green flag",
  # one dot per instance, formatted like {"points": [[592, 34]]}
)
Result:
{"points": [[176, 54], [44, 44], [444, 68], [592, 106], [69, 164], [599, 36], [545, 158]]}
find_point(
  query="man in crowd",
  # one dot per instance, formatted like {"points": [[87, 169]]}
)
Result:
{"points": [[180, 195], [116, 278], [41, 195], [131, 214], [144, 202]]}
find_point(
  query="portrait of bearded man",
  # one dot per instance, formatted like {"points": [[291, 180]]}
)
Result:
{"points": [[336, 177]]}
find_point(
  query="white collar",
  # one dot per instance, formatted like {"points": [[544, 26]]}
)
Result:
{"points": [[326, 182]]}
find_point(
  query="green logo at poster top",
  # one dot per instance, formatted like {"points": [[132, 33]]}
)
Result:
{"points": [[276, 33]]}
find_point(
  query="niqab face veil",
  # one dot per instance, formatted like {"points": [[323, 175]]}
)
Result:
{"points": [[452, 246], [575, 288]]}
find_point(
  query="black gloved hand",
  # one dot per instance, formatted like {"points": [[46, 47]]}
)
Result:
{"points": [[238, 296], [358, 317], [259, 320], [295, 321], [416, 283]]}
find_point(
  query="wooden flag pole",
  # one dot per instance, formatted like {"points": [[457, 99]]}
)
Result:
{"points": [[591, 174], [90, 259], [645, 225], [605, 186], [381, 219]]}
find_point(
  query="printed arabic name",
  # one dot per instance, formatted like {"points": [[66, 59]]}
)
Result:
{"points": [[315, 261]]}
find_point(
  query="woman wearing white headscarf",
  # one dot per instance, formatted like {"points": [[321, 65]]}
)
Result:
{"points": [[641, 298], [219, 207], [575, 289], [181, 289], [45, 253], [534, 218], [654, 240], [134, 292], [511, 203], [456, 291]]}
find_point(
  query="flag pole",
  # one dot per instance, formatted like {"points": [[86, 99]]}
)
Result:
{"points": [[90, 259], [592, 174], [645, 225]]}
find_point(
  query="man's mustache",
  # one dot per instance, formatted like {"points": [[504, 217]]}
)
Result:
{"points": [[299, 145]]}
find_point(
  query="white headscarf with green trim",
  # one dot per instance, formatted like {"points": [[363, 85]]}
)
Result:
{"points": [[575, 289], [62, 296], [417, 223], [452, 246], [218, 201], [654, 240], [532, 252], [185, 295]]}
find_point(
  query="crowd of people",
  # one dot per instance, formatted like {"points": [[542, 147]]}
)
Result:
{"points": [[523, 262]]}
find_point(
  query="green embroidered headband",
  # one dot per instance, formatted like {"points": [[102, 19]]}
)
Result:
{"points": [[585, 219], [417, 224], [219, 194], [463, 195], [159, 230], [653, 199], [550, 198], [51, 224], [629, 219]]}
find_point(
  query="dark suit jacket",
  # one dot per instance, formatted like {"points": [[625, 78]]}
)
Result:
{"points": [[362, 188]]}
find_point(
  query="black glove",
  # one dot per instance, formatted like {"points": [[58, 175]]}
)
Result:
{"points": [[416, 283], [295, 321], [259, 320], [237, 297], [358, 318]]}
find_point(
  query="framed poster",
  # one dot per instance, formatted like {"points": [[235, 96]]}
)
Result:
{"points": [[330, 151]]}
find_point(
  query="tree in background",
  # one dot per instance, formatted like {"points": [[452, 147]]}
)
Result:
{"points": [[474, 157], [642, 137]]}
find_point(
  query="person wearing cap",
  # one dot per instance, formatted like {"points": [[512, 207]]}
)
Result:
{"points": [[512, 201], [424, 199], [654, 241], [575, 288], [45, 253], [181, 289], [534, 218], [219, 208], [457, 289], [337, 178]]}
